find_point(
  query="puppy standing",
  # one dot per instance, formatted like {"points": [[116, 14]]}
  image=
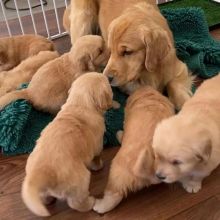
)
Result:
{"points": [[133, 166], [141, 45], [49, 87], [68, 147], [23, 73], [187, 146], [15, 49]]}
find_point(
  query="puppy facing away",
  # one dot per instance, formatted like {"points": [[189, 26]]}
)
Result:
{"points": [[15, 49], [75, 140], [141, 45], [133, 166], [23, 73], [48, 89], [187, 146]]}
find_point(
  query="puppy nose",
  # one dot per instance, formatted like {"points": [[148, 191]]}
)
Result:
{"points": [[160, 176], [110, 78]]}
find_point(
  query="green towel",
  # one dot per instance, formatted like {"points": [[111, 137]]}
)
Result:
{"points": [[20, 124], [194, 44]]}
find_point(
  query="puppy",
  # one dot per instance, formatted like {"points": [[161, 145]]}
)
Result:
{"points": [[68, 147], [133, 166], [141, 45], [49, 87], [15, 49], [187, 146], [10, 80], [81, 18]]}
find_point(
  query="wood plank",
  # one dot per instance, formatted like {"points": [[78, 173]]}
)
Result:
{"points": [[62, 45], [157, 202], [11, 174], [207, 210]]}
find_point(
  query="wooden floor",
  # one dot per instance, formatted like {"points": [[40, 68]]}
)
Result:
{"points": [[155, 203]]}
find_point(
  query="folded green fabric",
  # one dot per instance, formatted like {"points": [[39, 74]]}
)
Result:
{"points": [[194, 44], [21, 124]]}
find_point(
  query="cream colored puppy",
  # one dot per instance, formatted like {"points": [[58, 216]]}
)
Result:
{"points": [[48, 89], [15, 49], [133, 166], [187, 146], [23, 73], [68, 147]]}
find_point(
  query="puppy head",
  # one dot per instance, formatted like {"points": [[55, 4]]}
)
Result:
{"points": [[92, 90], [90, 53], [180, 146], [137, 44]]}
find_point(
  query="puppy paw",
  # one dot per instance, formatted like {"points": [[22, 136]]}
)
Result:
{"points": [[119, 136], [99, 206], [96, 164], [192, 187], [107, 203], [116, 105]]}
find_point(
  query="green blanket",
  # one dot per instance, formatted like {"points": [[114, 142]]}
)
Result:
{"points": [[20, 124]]}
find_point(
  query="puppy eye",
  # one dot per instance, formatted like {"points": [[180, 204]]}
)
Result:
{"points": [[126, 53], [176, 162]]}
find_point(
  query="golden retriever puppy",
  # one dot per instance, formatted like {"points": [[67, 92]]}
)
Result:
{"points": [[81, 18], [66, 19], [48, 89], [15, 49], [68, 147], [143, 53], [187, 146], [141, 45], [23, 73], [133, 166]]}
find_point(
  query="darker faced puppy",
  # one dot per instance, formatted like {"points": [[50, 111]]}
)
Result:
{"points": [[136, 45]]}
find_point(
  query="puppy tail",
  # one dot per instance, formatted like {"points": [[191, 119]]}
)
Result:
{"points": [[31, 196], [13, 96]]}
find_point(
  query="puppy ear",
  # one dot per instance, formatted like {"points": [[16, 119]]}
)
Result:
{"points": [[104, 99], [84, 63], [158, 45], [204, 152]]}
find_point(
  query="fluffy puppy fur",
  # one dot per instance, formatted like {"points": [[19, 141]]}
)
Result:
{"points": [[15, 49], [49, 87], [143, 53], [133, 166], [68, 147], [187, 146], [81, 18], [12, 79], [141, 44]]}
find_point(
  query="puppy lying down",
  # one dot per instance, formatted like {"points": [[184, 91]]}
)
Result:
{"points": [[187, 146], [15, 49], [133, 166], [23, 73], [75, 140], [49, 87]]}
